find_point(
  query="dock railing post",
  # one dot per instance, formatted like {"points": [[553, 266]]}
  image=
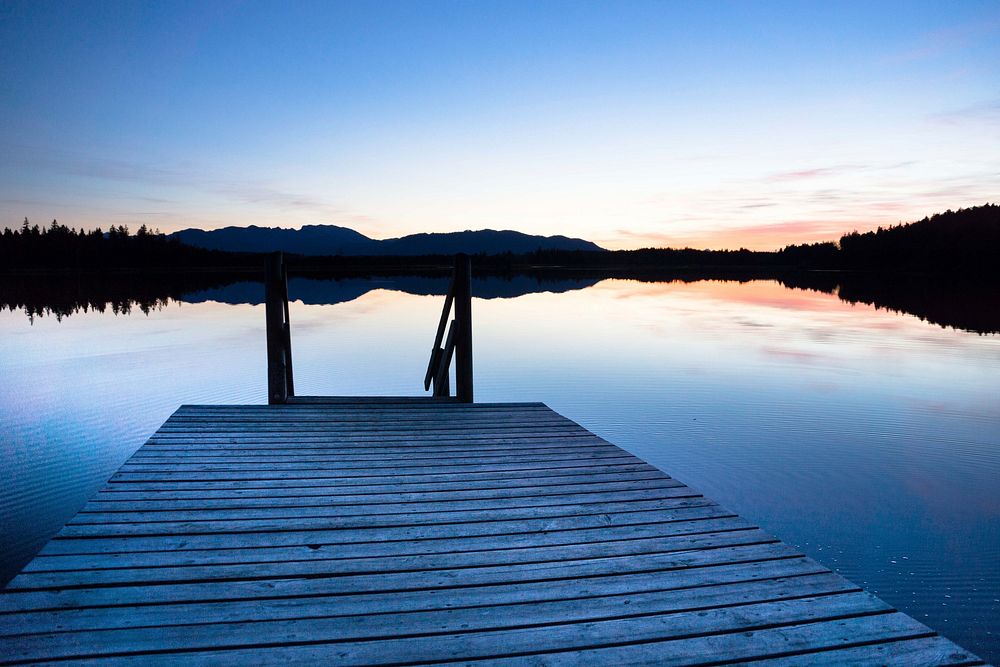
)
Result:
{"points": [[279, 377], [287, 330], [457, 344], [463, 328]]}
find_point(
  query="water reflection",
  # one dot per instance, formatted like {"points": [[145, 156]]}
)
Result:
{"points": [[970, 305], [869, 438]]}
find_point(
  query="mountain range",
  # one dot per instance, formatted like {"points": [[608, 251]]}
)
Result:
{"points": [[334, 240]]}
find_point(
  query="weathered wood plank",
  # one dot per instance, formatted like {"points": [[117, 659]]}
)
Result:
{"points": [[380, 421], [282, 507], [543, 468], [357, 418], [276, 438], [364, 413], [306, 520], [388, 527], [362, 493], [345, 402], [443, 473], [320, 450], [364, 406], [416, 401], [105, 552], [348, 411], [331, 506], [513, 424], [370, 461], [293, 439], [568, 481], [334, 448]]}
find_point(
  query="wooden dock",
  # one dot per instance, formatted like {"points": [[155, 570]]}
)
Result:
{"points": [[407, 531]]}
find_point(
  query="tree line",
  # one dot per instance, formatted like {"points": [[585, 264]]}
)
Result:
{"points": [[962, 241], [58, 247], [966, 241]]}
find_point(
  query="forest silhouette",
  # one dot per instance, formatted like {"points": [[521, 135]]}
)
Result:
{"points": [[966, 241]]}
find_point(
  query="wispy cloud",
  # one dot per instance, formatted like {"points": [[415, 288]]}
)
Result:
{"points": [[184, 176], [984, 112], [814, 172], [253, 193], [938, 43]]}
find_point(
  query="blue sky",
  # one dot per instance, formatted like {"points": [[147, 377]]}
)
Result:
{"points": [[630, 123]]}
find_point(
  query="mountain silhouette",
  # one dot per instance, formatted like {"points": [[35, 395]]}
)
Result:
{"points": [[310, 240], [334, 240]]}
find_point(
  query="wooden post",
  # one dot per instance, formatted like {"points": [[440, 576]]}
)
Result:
{"points": [[274, 309], [441, 381], [287, 330], [463, 328]]}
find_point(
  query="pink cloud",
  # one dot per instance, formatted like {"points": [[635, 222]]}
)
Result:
{"points": [[769, 236], [814, 172]]}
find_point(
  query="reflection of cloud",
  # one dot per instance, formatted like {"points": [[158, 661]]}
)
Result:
{"points": [[752, 324], [935, 406], [763, 293], [760, 205], [793, 355], [824, 387]]}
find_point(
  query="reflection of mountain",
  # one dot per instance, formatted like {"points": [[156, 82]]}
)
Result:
{"points": [[315, 292], [959, 303]]}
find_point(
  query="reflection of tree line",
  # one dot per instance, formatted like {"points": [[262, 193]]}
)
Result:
{"points": [[962, 303], [63, 295]]}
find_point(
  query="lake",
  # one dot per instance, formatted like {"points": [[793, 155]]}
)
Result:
{"points": [[868, 437]]}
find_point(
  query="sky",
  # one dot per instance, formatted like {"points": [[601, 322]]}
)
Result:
{"points": [[632, 124]]}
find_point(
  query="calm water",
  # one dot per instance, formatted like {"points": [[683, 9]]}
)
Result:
{"points": [[869, 438]]}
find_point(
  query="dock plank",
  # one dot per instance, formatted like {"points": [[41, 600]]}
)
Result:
{"points": [[354, 530], [221, 509]]}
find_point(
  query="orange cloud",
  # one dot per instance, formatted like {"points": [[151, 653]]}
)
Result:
{"points": [[770, 236]]}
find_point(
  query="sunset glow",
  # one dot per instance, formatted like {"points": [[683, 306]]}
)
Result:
{"points": [[630, 124]]}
